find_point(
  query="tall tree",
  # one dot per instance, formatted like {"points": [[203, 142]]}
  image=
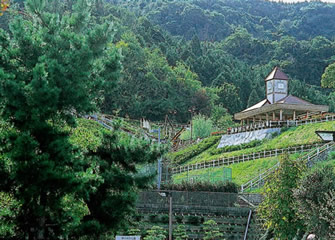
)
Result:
{"points": [[253, 98], [328, 77], [278, 208], [315, 201], [51, 67]]}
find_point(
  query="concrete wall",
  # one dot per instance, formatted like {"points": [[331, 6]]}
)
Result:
{"points": [[245, 137]]}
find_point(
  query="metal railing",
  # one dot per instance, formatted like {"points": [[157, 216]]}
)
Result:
{"points": [[278, 124], [243, 158], [309, 157]]}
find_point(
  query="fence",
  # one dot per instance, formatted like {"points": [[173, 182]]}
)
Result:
{"points": [[191, 201], [310, 158], [243, 158], [279, 124]]}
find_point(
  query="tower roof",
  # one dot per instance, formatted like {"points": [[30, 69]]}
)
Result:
{"points": [[276, 74]]}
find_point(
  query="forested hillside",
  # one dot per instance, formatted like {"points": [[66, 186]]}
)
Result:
{"points": [[212, 56], [229, 46]]}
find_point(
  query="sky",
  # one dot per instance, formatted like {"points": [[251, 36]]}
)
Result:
{"points": [[291, 1]]}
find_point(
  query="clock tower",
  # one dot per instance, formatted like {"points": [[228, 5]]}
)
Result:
{"points": [[276, 85]]}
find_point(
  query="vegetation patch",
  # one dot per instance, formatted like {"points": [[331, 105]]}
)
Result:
{"points": [[193, 150], [241, 172], [208, 186], [295, 136]]}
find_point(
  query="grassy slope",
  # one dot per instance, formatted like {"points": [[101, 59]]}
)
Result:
{"points": [[241, 172], [294, 136], [193, 150]]}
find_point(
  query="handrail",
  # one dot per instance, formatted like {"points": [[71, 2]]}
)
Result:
{"points": [[246, 228], [242, 158], [309, 156], [280, 124]]}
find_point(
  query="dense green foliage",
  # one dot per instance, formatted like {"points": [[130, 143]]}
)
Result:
{"points": [[195, 149], [232, 45], [55, 64], [278, 208], [155, 233], [328, 77], [228, 187], [202, 127], [241, 172], [315, 201], [210, 55], [295, 136], [212, 231], [300, 200], [179, 233]]}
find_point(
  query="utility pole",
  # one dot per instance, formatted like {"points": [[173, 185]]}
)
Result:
{"points": [[170, 216], [192, 110], [168, 194], [159, 165]]}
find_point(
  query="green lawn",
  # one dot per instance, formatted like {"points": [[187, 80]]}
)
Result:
{"points": [[241, 172], [293, 136]]}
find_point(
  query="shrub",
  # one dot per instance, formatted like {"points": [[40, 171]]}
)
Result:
{"points": [[165, 218], [331, 155], [179, 219], [153, 218], [315, 200], [212, 230], [187, 153], [180, 233], [194, 220], [155, 233], [227, 187], [232, 148], [202, 126]]}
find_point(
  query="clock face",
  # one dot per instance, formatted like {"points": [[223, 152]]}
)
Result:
{"points": [[269, 84], [281, 87]]}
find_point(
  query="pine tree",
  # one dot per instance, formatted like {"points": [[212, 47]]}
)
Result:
{"points": [[278, 207], [180, 233], [51, 68], [212, 231], [253, 98], [155, 233], [113, 200]]}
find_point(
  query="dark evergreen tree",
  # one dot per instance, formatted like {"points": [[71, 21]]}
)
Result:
{"points": [[253, 98], [196, 46], [52, 67], [118, 179]]}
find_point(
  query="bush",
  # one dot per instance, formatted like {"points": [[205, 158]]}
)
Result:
{"points": [[202, 126], [331, 156], [165, 218], [180, 233], [194, 220], [232, 148], [153, 218], [227, 187], [316, 200], [155, 233], [179, 219], [187, 153], [212, 230]]}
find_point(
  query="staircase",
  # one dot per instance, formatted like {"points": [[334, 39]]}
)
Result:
{"points": [[311, 158]]}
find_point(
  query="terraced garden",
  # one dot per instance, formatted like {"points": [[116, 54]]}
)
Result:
{"points": [[241, 172]]}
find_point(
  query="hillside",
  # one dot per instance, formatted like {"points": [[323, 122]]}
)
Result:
{"points": [[206, 151], [233, 44], [296, 136], [215, 20]]}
